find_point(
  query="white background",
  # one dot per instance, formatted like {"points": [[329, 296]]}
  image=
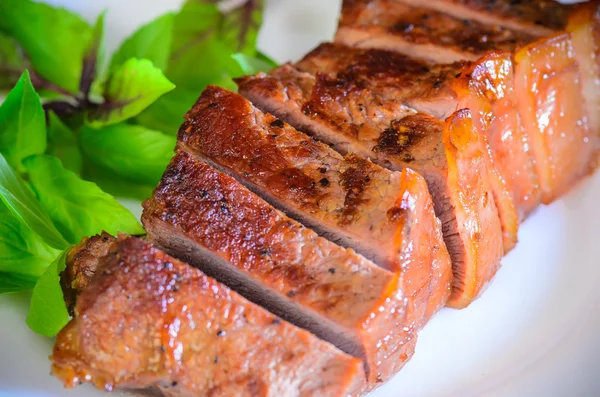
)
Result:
{"points": [[535, 332]]}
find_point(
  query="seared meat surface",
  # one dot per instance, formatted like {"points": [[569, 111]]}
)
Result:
{"points": [[574, 125], [485, 86], [83, 260], [147, 319], [374, 124], [347, 199], [536, 17], [422, 32], [209, 219], [330, 209]]}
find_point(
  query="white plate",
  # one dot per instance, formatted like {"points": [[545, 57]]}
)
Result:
{"points": [[535, 332]]}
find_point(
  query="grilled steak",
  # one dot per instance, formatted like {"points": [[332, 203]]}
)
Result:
{"points": [[421, 32], [375, 125], [584, 26], [485, 86], [577, 121], [347, 199], [148, 320], [536, 17], [212, 221], [548, 88]]}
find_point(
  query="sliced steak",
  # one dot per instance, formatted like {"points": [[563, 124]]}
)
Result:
{"points": [[348, 200], [584, 26], [576, 122], [421, 32], [148, 320], [549, 91], [485, 86], [212, 221], [535, 17], [354, 119]]}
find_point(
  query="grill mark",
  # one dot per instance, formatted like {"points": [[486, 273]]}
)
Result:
{"points": [[354, 181], [400, 137]]}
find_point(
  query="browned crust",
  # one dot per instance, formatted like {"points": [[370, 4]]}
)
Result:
{"points": [[346, 198], [81, 264], [150, 320], [422, 32], [321, 277], [537, 17]]}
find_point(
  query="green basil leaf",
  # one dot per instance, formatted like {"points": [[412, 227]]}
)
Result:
{"points": [[23, 204], [54, 39], [152, 41], [198, 57], [114, 184], [131, 151], [22, 252], [267, 59], [166, 114], [11, 283], [77, 207], [239, 29], [62, 143], [207, 62], [130, 89], [22, 123], [195, 22], [93, 55], [47, 310], [12, 62], [250, 64]]}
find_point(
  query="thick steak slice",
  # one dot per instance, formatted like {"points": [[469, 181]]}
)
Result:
{"points": [[549, 91], [148, 320], [348, 200], [484, 86], [212, 221], [353, 119], [579, 106], [421, 32], [535, 17], [584, 26], [475, 210]]}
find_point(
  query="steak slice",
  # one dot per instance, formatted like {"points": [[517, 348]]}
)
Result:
{"points": [[535, 17], [148, 320], [584, 26], [577, 120], [212, 221], [348, 200], [549, 91], [421, 32], [484, 86], [372, 125]]}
